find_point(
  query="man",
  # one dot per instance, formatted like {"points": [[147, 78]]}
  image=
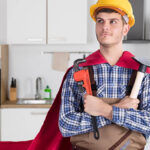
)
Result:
{"points": [[113, 69]]}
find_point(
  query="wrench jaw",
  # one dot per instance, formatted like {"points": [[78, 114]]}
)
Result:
{"points": [[76, 64], [79, 80], [81, 88], [83, 79], [77, 70]]}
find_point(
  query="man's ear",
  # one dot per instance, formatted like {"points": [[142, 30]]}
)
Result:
{"points": [[126, 29]]}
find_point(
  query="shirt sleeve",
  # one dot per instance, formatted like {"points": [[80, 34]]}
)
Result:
{"points": [[137, 120], [71, 121]]}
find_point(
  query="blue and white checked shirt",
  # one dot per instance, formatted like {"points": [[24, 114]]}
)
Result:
{"points": [[111, 82]]}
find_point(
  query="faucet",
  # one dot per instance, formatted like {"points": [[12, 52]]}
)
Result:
{"points": [[38, 88]]}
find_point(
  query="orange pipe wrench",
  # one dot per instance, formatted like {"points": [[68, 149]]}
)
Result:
{"points": [[82, 77]]}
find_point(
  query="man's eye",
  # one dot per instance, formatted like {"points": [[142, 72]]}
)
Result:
{"points": [[100, 21], [113, 21]]}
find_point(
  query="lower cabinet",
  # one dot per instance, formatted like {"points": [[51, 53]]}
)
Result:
{"points": [[19, 124]]}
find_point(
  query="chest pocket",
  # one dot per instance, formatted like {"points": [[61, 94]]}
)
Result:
{"points": [[116, 91]]}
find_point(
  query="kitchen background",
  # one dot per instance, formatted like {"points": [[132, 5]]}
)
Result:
{"points": [[32, 57], [27, 62]]}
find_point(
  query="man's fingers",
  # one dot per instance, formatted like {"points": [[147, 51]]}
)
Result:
{"points": [[135, 106], [137, 101], [85, 95]]}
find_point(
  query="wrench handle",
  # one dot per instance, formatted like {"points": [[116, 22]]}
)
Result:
{"points": [[94, 123]]}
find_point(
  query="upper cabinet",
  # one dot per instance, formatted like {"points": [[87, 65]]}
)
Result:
{"points": [[67, 21], [44, 22], [3, 21], [26, 21]]}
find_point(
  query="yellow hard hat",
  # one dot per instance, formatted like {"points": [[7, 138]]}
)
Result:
{"points": [[121, 6]]}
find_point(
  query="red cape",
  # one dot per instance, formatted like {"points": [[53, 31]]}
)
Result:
{"points": [[49, 137]]}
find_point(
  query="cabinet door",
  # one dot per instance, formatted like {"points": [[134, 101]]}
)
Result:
{"points": [[26, 21], [67, 21], [3, 24], [21, 124]]}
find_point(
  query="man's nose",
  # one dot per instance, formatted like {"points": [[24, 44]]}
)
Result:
{"points": [[106, 25]]}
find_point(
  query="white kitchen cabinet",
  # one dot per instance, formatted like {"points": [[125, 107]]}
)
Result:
{"points": [[3, 21], [43, 22], [26, 21], [67, 21], [46, 22], [21, 123]]}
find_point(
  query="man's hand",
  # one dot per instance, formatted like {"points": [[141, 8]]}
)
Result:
{"points": [[128, 102], [96, 107]]}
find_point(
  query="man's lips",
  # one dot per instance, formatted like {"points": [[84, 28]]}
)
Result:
{"points": [[106, 34]]}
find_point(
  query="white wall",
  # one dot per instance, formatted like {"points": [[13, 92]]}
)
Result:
{"points": [[26, 63]]}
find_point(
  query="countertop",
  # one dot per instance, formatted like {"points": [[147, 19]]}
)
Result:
{"points": [[9, 104]]}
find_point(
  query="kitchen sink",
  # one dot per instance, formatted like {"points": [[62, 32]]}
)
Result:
{"points": [[34, 101]]}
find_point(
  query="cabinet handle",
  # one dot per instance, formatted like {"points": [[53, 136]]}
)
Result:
{"points": [[57, 39], [38, 113], [35, 39]]}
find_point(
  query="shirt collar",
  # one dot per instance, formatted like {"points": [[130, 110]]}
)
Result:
{"points": [[125, 60]]}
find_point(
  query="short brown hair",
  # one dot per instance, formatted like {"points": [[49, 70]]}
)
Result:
{"points": [[107, 10]]}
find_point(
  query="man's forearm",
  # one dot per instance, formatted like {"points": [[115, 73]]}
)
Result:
{"points": [[107, 112]]}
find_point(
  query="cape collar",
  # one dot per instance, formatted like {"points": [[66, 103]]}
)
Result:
{"points": [[125, 60]]}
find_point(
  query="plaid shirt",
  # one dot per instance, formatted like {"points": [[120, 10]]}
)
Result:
{"points": [[111, 82]]}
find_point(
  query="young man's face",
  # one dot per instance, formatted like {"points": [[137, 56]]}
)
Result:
{"points": [[110, 28]]}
